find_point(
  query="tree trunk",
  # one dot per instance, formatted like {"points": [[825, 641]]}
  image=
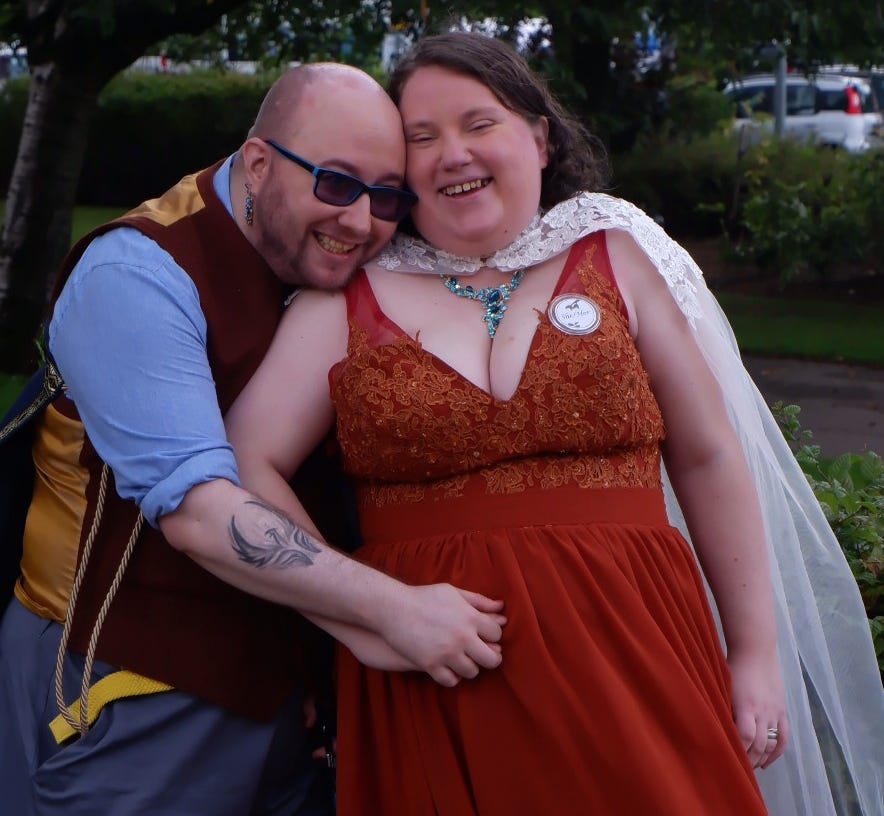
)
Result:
{"points": [[37, 229], [74, 48]]}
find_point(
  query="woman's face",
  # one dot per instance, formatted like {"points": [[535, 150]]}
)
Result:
{"points": [[474, 164]]}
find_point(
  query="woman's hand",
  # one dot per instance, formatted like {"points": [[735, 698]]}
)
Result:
{"points": [[758, 705]]}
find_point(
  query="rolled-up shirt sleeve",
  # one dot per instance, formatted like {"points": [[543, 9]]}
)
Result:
{"points": [[129, 339]]}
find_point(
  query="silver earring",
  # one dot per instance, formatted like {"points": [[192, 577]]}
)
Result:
{"points": [[250, 205]]}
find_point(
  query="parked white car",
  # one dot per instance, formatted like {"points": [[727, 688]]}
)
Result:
{"points": [[832, 110]]}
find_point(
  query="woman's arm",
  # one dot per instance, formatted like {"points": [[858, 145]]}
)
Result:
{"points": [[278, 419], [715, 491]]}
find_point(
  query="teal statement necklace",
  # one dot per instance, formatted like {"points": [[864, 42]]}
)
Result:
{"points": [[493, 298]]}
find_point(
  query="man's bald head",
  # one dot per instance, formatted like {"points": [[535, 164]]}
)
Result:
{"points": [[300, 92], [340, 120]]}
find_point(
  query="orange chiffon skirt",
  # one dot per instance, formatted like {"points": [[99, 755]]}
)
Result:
{"points": [[613, 695]]}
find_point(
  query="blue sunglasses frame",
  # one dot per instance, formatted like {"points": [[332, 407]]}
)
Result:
{"points": [[341, 189]]}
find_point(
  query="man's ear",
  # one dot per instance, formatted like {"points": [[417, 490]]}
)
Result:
{"points": [[255, 155]]}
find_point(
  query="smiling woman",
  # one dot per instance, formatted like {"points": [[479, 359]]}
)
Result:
{"points": [[505, 398]]}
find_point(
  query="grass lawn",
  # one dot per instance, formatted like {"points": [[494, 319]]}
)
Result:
{"points": [[84, 219], [88, 218], [833, 330]]}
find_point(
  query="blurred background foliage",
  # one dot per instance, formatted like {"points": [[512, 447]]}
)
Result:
{"points": [[644, 76]]}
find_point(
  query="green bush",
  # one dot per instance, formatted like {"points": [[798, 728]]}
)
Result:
{"points": [[850, 490], [687, 184], [695, 108], [682, 172], [149, 130], [808, 212], [797, 213]]}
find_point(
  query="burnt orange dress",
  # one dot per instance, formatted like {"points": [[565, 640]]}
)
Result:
{"points": [[613, 695]]}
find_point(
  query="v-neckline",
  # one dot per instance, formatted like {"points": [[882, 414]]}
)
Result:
{"points": [[543, 317]]}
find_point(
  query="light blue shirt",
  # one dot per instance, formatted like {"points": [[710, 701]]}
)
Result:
{"points": [[129, 338]]}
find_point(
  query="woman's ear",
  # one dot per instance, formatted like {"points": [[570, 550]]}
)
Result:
{"points": [[541, 138]]}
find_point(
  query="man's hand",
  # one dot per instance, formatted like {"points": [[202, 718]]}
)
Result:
{"points": [[449, 633]]}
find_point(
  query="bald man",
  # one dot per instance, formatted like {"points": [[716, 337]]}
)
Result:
{"points": [[185, 624]]}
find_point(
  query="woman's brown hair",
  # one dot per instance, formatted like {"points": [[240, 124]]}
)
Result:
{"points": [[577, 160]]}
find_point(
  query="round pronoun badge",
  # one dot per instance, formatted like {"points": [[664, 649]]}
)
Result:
{"points": [[574, 314]]}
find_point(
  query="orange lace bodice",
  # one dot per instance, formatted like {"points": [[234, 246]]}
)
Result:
{"points": [[583, 413]]}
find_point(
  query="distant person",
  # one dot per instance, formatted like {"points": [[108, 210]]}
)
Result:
{"points": [[196, 702]]}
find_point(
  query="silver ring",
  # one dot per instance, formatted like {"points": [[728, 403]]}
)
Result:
{"points": [[773, 734]]}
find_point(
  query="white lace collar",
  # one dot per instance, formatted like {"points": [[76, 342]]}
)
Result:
{"points": [[553, 233]]}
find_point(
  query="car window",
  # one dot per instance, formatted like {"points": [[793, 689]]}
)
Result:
{"points": [[752, 100], [800, 100], [877, 83], [868, 100], [831, 100], [836, 100]]}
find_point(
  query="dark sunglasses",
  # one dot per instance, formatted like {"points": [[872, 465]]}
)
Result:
{"points": [[341, 190]]}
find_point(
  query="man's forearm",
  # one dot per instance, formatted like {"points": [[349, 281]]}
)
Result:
{"points": [[448, 632], [254, 546]]}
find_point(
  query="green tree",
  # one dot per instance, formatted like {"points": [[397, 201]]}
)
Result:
{"points": [[74, 48], [276, 32]]}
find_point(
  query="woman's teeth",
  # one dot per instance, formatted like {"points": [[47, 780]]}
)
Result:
{"points": [[454, 189]]}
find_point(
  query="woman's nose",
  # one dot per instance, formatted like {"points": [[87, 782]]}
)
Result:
{"points": [[454, 152]]}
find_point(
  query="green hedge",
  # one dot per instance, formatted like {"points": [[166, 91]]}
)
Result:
{"points": [[793, 212], [812, 214], [149, 130], [685, 185]]}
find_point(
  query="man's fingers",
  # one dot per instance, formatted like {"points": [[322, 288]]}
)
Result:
{"points": [[489, 629], [481, 602], [444, 676], [465, 667], [485, 655]]}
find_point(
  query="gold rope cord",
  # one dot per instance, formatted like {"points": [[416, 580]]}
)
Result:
{"points": [[82, 725]]}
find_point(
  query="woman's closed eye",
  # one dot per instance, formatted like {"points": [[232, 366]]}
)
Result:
{"points": [[420, 137], [480, 125]]}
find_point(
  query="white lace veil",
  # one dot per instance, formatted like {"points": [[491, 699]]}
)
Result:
{"points": [[834, 763]]}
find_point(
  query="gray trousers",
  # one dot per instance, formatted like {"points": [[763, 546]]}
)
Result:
{"points": [[168, 754]]}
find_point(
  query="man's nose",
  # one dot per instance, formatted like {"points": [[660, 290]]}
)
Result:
{"points": [[356, 217]]}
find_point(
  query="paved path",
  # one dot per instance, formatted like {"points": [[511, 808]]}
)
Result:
{"points": [[842, 404]]}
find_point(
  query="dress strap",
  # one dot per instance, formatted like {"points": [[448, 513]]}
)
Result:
{"points": [[570, 280], [364, 312]]}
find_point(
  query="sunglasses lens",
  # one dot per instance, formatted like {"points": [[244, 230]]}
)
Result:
{"points": [[390, 204], [337, 188]]}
